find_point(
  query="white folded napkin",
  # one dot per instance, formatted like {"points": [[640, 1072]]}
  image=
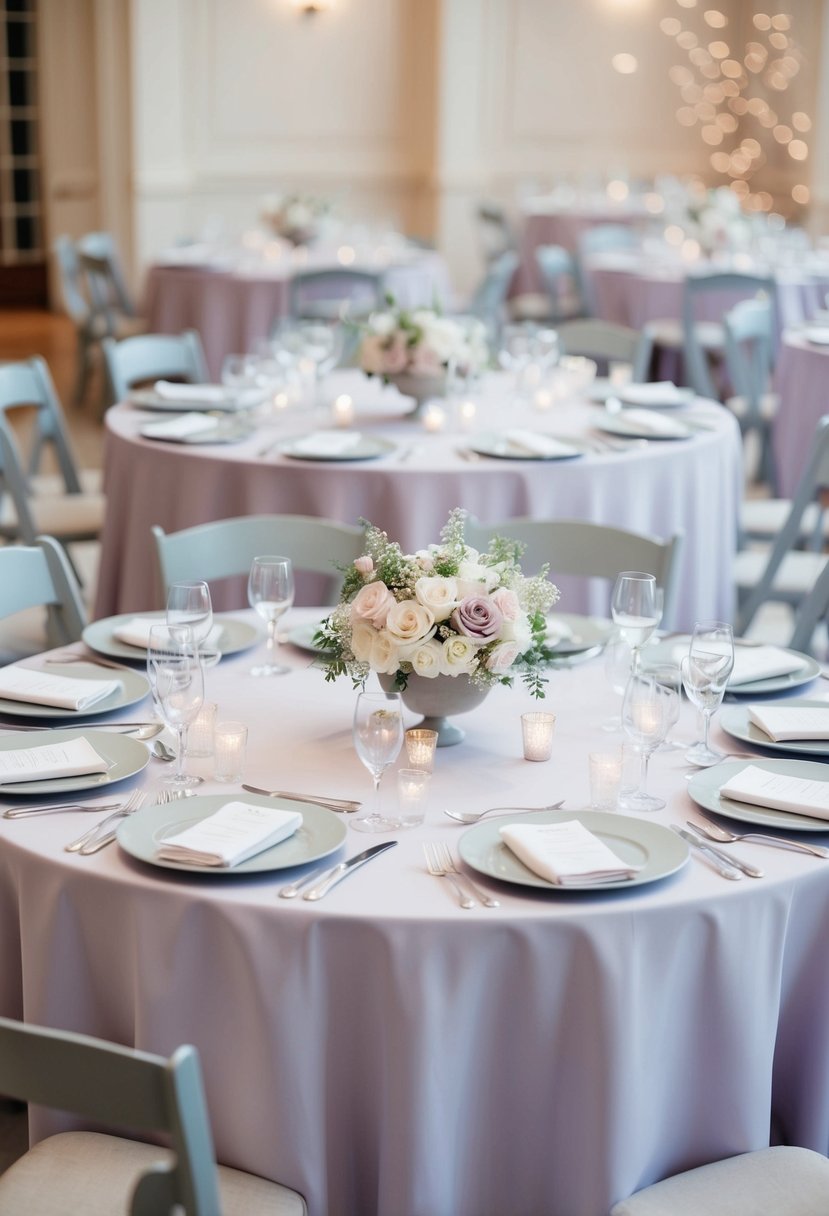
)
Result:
{"points": [[180, 428], [791, 722], [539, 445], [327, 443], [222, 395], [43, 688], [819, 334], [762, 663], [136, 632], [661, 392], [653, 424], [72, 759], [778, 791], [566, 854], [236, 831]]}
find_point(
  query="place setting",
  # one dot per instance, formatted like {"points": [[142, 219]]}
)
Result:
{"points": [[335, 446], [167, 396], [125, 636], [199, 429], [523, 444]]}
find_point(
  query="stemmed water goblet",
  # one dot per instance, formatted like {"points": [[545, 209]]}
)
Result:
{"points": [[177, 683], [271, 593], [617, 659], [190, 604], [705, 672], [636, 608], [378, 737], [647, 712], [670, 676]]}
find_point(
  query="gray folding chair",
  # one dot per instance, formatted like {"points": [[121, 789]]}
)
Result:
{"points": [[576, 547], [488, 302], [148, 357], [749, 358], [494, 230], [600, 238], [38, 577], [334, 294], [603, 341], [557, 267], [227, 547], [98, 1174], [701, 338]]}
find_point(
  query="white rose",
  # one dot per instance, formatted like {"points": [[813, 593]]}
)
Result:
{"points": [[502, 656], [507, 601], [457, 655], [362, 640], [474, 579], [439, 594], [425, 659], [425, 559], [384, 656], [518, 631], [382, 323], [410, 622]]}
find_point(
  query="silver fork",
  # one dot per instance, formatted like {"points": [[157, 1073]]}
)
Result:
{"points": [[449, 864], [82, 658], [135, 800], [437, 870]]}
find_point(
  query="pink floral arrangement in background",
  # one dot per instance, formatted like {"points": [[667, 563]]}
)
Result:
{"points": [[446, 610], [421, 342]]}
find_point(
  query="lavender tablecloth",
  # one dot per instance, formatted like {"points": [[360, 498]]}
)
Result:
{"points": [[691, 486], [551, 225], [801, 384], [384, 1051]]}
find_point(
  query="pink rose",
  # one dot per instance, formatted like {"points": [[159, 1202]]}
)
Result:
{"points": [[477, 617], [364, 564], [372, 603], [506, 599], [395, 354], [502, 656], [424, 362]]}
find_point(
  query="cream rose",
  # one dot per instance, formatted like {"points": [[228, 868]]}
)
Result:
{"points": [[518, 631], [362, 640], [438, 594], [507, 601], [474, 579], [425, 659], [410, 622], [457, 655], [372, 603], [384, 656], [502, 656]]}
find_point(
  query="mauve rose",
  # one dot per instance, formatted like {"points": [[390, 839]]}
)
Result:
{"points": [[502, 656], [364, 564], [372, 603], [478, 618], [507, 601]]}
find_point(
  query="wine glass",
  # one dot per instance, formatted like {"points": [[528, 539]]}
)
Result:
{"points": [[669, 675], [318, 347], [190, 604], [177, 683], [618, 658], [271, 593], [636, 609], [705, 672], [378, 737], [647, 711]]}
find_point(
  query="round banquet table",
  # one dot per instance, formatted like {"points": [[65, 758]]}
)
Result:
{"points": [[546, 222], [233, 308], [690, 486], [800, 383], [384, 1051]]}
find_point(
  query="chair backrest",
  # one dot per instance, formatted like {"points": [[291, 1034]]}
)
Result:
{"points": [[153, 357], [334, 294], [494, 230], [696, 287], [40, 576], [602, 341], [227, 547], [27, 384], [576, 547], [749, 350], [813, 484], [99, 260], [489, 300], [560, 276], [600, 238], [70, 280], [117, 1085]]}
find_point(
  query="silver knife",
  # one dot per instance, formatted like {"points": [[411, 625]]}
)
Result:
{"points": [[340, 871], [729, 858], [724, 868], [334, 804]]}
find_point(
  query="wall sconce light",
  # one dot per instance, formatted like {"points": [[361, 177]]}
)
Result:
{"points": [[309, 8]]}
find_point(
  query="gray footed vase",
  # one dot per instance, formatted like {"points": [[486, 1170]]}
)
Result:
{"points": [[437, 700]]}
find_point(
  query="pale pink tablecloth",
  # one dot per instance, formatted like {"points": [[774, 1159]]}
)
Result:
{"points": [[802, 384], [562, 226], [233, 309], [691, 486], [389, 1054]]}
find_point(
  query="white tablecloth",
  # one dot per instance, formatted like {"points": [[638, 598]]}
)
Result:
{"points": [[384, 1051], [690, 486]]}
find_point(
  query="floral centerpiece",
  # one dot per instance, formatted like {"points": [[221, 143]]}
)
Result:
{"points": [[714, 218], [294, 217], [445, 611], [415, 349]]}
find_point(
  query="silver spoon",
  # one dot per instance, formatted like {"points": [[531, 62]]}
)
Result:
{"points": [[162, 752], [474, 816]]}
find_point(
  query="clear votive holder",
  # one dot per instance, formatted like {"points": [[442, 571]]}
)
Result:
{"points": [[229, 744], [200, 731], [605, 779], [412, 796], [420, 748], [537, 730]]}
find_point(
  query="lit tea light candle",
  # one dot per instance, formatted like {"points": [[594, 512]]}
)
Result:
{"points": [[281, 401], [537, 731], [343, 410], [273, 251], [346, 255], [434, 418], [647, 717], [420, 748], [605, 779], [543, 399]]}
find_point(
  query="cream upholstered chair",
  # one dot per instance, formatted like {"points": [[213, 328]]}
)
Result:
{"points": [[779, 1181], [148, 357], [227, 547], [106, 1175], [572, 546], [33, 577]]}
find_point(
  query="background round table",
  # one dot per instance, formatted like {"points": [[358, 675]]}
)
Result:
{"points": [[659, 488], [384, 1051], [801, 384], [548, 222]]}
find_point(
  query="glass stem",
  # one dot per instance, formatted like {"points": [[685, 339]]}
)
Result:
{"points": [[272, 642], [643, 771], [706, 722], [180, 733], [375, 810]]}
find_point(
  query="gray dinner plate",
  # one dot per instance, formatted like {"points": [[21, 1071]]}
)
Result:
{"points": [[232, 431], [657, 849], [302, 636], [125, 755], [134, 687], [735, 721], [663, 652], [499, 445], [704, 788], [320, 834], [368, 447], [236, 635], [148, 399], [629, 428], [585, 632]]}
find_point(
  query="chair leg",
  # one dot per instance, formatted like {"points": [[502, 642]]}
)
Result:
{"points": [[82, 378]]}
